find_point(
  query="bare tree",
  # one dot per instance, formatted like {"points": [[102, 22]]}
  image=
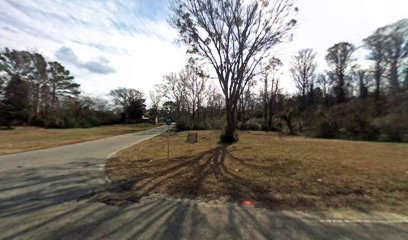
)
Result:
{"points": [[363, 82], [303, 71], [233, 36], [173, 89], [156, 97], [124, 97], [214, 101], [195, 85], [396, 50], [245, 102], [339, 60], [376, 45], [270, 89]]}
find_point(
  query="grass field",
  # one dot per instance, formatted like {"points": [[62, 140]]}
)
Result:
{"points": [[23, 139], [266, 170]]}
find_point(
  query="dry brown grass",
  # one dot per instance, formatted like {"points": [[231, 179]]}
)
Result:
{"points": [[23, 139], [274, 172]]}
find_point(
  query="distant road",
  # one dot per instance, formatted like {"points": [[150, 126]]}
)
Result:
{"points": [[47, 194], [96, 149]]}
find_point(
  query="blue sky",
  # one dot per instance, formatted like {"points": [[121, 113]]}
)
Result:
{"points": [[112, 43], [105, 44]]}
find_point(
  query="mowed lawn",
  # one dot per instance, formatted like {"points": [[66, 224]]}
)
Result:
{"points": [[23, 139], [265, 170]]}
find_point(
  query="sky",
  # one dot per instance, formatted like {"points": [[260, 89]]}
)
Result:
{"points": [[128, 43]]}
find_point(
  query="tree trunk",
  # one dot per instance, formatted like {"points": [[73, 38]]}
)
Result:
{"points": [[270, 120], [229, 135], [53, 96], [37, 101], [394, 83], [377, 77], [265, 101]]}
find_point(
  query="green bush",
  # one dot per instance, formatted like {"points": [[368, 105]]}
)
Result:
{"points": [[183, 124], [251, 124], [392, 127], [327, 130]]}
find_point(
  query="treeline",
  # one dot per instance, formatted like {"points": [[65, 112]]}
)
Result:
{"points": [[347, 101], [191, 100], [34, 91]]}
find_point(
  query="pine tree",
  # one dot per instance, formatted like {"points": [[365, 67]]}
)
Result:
{"points": [[16, 101]]}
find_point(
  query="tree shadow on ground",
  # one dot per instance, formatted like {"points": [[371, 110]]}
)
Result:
{"points": [[53, 202], [204, 175]]}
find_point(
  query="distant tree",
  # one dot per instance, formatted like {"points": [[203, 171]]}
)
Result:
{"points": [[61, 83], [129, 100], [375, 43], [155, 98], [100, 104], [363, 83], [396, 50], [123, 97], [135, 110], [303, 69], [246, 102], [270, 89], [323, 82], [233, 36], [169, 109], [16, 63], [405, 72], [195, 85], [174, 90], [288, 117], [2, 82], [339, 60], [15, 105], [215, 102], [37, 79]]}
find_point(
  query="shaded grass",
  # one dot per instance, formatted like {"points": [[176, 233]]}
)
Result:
{"points": [[23, 139], [274, 172]]}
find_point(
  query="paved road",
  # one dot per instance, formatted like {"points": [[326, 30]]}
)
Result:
{"points": [[45, 195], [97, 149]]}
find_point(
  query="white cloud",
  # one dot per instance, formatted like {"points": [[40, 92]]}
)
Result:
{"points": [[137, 50]]}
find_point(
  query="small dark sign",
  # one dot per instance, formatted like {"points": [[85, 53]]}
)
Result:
{"points": [[168, 121], [192, 137]]}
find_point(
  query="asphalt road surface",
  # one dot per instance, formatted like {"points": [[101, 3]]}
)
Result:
{"points": [[44, 195]]}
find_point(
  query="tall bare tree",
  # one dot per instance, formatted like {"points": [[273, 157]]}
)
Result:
{"points": [[339, 60], [214, 101], [195, 82], [396, 50], [375, 43], [174, 90], [303, 69], [363, 82], [156, 97], [270, 89], [233, 36]]}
